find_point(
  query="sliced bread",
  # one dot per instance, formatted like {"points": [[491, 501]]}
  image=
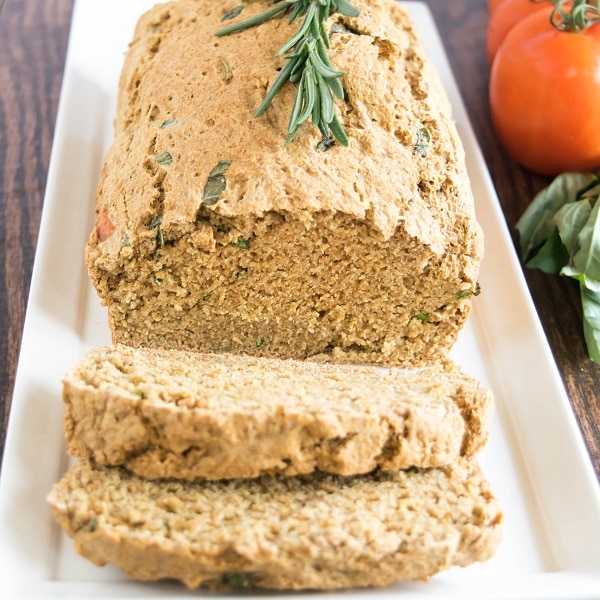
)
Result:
{"points": [[168, 413], [317, 532]]}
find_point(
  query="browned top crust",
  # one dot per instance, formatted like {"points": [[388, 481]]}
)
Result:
{"points": [[192, 95]]}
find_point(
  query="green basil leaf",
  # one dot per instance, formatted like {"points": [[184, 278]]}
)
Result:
{"points": [[232, 14], [551, 257], [216, 183], [164, 159], [214, 187], [423, 141], [221, 168], [169, 123], [537, 222], [570, 220], [584, 263], [590, 302], [592, 190]]}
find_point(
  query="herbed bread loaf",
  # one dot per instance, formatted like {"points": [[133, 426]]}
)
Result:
{"points": [[317, 532], [365, 254], [213, 236], [169, 413]]}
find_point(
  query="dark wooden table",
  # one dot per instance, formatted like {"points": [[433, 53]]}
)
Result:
{"points": [[33, 42]]}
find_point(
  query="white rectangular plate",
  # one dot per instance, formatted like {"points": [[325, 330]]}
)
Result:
{"points": [[536, 460]]}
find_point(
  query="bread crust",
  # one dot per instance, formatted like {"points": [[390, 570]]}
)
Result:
{"points": [[318, 532]]}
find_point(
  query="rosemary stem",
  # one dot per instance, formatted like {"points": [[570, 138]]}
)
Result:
{"points": [[253, 21]]}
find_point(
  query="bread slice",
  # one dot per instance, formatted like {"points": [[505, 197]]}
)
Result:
{"points": [[167, 413], [316, 532], [365, 254]]}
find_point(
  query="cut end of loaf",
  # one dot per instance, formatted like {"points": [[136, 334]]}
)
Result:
{"points": [[331, 289], [366, 254]]}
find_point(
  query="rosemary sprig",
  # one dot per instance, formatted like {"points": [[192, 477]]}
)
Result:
{"points": [[308, 64]]}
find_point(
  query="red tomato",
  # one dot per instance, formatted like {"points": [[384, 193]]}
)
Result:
{"points": [[505, 17], [545, 96], [104, 226]]}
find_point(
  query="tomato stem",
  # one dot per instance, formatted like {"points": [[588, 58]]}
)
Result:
{"points": [[582, 15]]}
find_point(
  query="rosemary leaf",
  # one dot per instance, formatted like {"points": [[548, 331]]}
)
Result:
{"points": [[283, 77], [297, 12], [297, 107], [345, 8], [338, 131], [310, 95], [327, 107], [323, 68], [324, 35], [316, 113], [302, 33]]}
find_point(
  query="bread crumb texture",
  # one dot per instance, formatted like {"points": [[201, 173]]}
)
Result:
{"points": [[214, 235], [169, 413], [322, 532]]}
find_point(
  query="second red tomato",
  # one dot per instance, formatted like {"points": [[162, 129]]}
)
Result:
{"points": [[545, 96], [505, 17]]}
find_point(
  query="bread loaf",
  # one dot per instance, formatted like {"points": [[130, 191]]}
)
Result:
{"points": [[317, 532], [168, 413], [365, 254], [207, 452]]}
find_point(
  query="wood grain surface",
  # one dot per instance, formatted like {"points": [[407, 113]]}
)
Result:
{"points": [[33, 42]]}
